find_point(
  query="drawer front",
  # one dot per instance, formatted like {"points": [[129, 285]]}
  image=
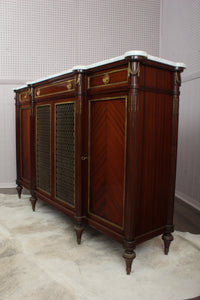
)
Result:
{"points": [[109, 78], [24, 96], [55, 88]]}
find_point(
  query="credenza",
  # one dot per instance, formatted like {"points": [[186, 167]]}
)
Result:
{"points": [[99, 143]]}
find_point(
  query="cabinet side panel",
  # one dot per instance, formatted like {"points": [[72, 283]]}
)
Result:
{"points": [[65, 143], [25, 144], [155, 157], [43, 165], [107, 159]]}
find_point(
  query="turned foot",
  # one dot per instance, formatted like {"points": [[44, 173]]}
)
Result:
{"points": [[79, 230], [33, 202], [19, 190], [167, 238], [129, 257]]}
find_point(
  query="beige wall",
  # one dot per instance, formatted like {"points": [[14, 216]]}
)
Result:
{"points": [[39, 38], [42, 37], [180, 41]]}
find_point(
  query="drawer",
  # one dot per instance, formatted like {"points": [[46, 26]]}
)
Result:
{"points": [[24, 96], [55, 88], [109, 78]]}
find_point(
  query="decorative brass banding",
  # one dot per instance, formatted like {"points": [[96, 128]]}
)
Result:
{"points": [[38, 92], [106, 79], [69, 85]]}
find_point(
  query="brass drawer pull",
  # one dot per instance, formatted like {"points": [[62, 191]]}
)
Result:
{"points": [[69, 85], [106, 79], [38, 92]]}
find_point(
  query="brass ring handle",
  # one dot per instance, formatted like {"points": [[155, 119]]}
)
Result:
{"points": [[106, 79]]}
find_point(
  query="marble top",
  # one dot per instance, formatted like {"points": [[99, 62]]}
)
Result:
{"points": [[112, 60]]}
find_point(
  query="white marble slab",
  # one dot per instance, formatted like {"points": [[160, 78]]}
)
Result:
{"points": [[51, 76], [20, 87], [112, 60]]}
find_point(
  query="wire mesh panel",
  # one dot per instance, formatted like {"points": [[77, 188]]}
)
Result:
{"points": [[43, 165], [65, 135]]}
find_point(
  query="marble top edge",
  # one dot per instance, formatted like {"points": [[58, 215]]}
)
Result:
{"points": [[79, 67], [20, 87], [104, 62], [166, 61], [108, 61], [50, 77]]}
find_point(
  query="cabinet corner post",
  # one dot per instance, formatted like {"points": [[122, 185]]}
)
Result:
{"points": [[80, 97]]}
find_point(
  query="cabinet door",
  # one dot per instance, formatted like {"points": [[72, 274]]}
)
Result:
{"points": [[43, 148], [107, 160], [25, 145], [65, 152]]}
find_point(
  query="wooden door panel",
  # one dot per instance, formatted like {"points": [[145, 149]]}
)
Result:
{"points": [[25, 143], [107, 146]]}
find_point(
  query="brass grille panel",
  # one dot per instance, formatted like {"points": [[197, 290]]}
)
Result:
{"points": [[65, 152], [43, 148]]}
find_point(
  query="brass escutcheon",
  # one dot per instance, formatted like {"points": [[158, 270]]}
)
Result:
{"points": [[106, 79]]}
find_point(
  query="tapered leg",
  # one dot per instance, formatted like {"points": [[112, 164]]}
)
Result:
{"points": [[167, 238], [19, 190], [79, 230], [33, 202], [129, 257]]}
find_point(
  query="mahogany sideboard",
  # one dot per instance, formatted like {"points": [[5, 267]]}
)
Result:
{"points": [[99, 143]]}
